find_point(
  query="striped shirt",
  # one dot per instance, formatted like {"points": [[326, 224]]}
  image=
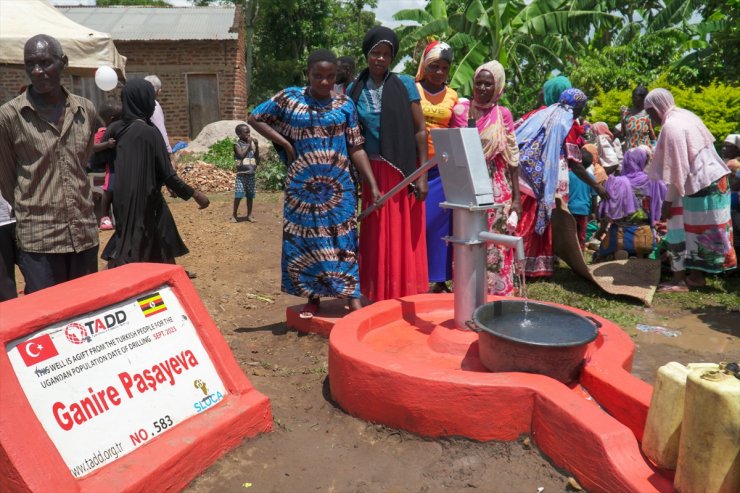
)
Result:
{"points": [[42, 175]]}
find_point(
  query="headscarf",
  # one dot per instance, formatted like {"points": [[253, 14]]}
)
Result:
{"points": [[137, 100], [436, 50], [633, 168], [377, 35], [683, 135], [137, 103], [661, 100], [495, 137], [622, 200], [540, 139], [499, 79], [397, 141], [575, 98], [554, 87], [601, 128]]}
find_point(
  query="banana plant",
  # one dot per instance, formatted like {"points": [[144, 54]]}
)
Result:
{"points": [[519, 34]]}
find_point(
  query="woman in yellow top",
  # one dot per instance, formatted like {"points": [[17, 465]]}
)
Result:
{"points": [[437, 101]]}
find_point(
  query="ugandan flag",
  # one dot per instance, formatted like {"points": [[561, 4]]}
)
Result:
{"points": [[151, 304]]}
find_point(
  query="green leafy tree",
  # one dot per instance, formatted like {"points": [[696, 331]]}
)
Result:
{"points": [[713, 46], [601, 44], [348, 23], [692, 41], [287, 30], [521, 35], [279, 34], [429, 23], [623, 67]]}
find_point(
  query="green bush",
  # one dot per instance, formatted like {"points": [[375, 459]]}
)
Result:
{"points": [[605, 107], [718, 105], [221, 154], [271, 173]]}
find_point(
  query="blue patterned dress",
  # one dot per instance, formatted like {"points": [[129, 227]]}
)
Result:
{"points": [[319, 227]]}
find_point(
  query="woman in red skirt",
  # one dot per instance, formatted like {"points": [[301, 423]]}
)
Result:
{"points": [[393, 254]]}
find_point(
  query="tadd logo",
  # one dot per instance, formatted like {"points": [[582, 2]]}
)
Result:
{"points": [[77, 333], [209, 399]]}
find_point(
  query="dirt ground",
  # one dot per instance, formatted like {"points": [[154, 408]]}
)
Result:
{"points": [[315, 446]]}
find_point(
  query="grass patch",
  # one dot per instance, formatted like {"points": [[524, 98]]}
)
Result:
{"points": [[720, 292], [567, 288], [271, 174]]}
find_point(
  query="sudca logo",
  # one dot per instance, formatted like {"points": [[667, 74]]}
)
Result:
{"points": [[209, 399], [78, 333]]}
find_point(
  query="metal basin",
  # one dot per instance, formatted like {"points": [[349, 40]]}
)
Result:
{"points": [[550, 340]]}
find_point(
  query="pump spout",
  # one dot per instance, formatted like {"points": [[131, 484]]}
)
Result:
{"points": [[514, 242]]}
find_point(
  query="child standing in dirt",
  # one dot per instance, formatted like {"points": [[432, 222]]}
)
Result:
{"points": [[247, 157]]}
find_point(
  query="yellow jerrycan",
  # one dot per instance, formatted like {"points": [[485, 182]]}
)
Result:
{"points": [[709, 449], [663, 426]]}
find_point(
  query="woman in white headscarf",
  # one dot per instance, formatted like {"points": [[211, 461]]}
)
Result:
{"points": [[697, 204], [496, 129]]}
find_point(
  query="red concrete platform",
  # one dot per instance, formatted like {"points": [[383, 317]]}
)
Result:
{"points": [[29, 459], [402, 364], [330, 312]]}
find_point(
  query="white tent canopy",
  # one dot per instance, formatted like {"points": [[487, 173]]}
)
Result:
{"points": [[86, 48]]}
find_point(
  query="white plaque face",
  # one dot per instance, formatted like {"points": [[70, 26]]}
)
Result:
{"points": [[106, 382]]}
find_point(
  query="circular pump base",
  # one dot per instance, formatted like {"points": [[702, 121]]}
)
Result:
{"points": [[402, 363]]}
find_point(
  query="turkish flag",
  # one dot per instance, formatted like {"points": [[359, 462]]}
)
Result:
{"points": [[38, 349]]}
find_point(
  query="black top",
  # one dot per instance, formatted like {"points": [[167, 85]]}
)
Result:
{"points": [[397, 131], [145, 228]]}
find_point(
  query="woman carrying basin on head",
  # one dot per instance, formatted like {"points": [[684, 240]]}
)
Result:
{"points": [[496, 129]]}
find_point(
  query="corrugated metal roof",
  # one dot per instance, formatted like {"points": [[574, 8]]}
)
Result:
{"points": [[143, 23]]}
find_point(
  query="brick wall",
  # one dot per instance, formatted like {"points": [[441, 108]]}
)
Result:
{"points": [[171, 61], [11, 80]]}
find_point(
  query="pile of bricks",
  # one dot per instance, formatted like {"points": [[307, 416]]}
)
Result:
{"points": [[206, 177]]}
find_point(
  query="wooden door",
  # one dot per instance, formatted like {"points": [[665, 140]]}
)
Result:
{"points": [[202, 101]]}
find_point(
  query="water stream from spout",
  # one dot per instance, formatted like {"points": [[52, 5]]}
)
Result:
{"points": [[519, 267]]}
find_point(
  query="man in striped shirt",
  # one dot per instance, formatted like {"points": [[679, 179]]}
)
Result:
{"points": [[46, 136]]}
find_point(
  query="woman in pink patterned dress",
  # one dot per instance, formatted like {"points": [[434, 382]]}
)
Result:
{"points": [[636, 124], [496, 129]]}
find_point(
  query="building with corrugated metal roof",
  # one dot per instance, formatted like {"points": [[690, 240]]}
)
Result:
{"points": [[197, 52], [150, 23]]}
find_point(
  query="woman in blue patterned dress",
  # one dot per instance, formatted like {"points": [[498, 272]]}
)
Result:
{"points": [[318, 135]]}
